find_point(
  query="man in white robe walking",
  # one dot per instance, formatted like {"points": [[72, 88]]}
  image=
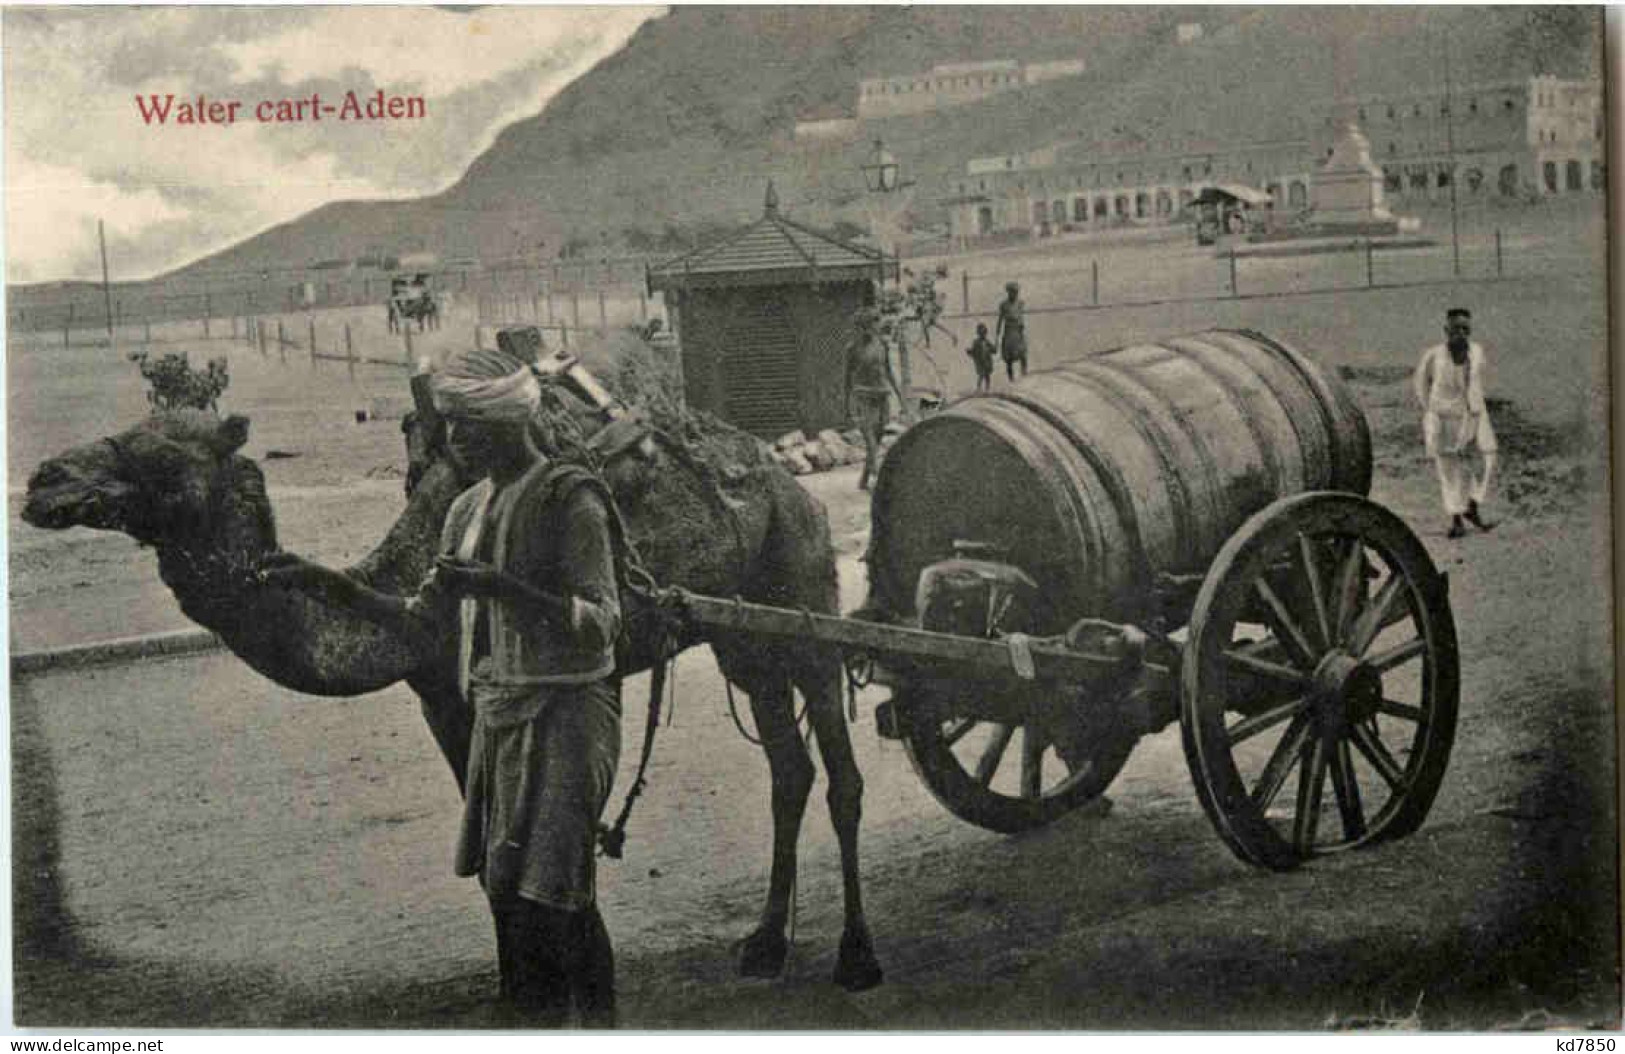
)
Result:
{"points": [[1450, 388]]}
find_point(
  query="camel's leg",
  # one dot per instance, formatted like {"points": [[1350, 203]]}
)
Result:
{"points": [[763, 952], [796, 569], [856, 968]]}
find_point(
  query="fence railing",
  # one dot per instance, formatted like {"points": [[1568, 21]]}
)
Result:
{"points": [[1076, 280], [218, 299], [1156, 276], [363, 330], [563, 312], [272, 336]]}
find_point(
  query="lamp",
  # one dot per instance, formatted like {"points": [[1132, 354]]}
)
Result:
{"points": [[883, 177], [882, 174]]}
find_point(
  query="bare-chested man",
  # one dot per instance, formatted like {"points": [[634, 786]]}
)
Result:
{"points": [[869, 384]]}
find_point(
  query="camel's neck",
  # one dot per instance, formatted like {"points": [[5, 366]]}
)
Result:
{"points": [[685, 523], [399, 563], [210, 563], [296, 641]]}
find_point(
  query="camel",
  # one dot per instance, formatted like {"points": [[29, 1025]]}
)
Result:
{"points": [[707, 511]]}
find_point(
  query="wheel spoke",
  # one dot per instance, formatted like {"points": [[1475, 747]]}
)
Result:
{"points": [[1275, 771], [1268, 649], [1347, 788], [1375, 616], [1349, 586], [988, 764], [1398, 655], [957, 730], [1366, 741], [1405, 710], [1311, 779], [1317, 590], [1286, 627], [1032, 763], [1249, 727], [1274, 671]]}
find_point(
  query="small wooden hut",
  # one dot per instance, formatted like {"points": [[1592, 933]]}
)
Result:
{"points": [[764, 317]]}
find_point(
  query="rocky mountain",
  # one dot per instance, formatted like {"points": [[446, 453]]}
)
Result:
{"points": [[683, 126]]}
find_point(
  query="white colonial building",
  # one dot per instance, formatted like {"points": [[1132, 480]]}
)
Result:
{"points": [[955, 84], [1538, 136], [1093, 185], [1534, 137], [833, 123]]}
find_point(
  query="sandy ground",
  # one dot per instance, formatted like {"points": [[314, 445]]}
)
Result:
{"points": [[197, 847]]}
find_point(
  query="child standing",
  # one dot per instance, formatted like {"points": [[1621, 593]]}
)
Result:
{"points": [[981, 353]]}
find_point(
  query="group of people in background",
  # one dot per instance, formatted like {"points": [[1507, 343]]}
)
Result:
{"points": [[871, 382], [1009, 340]]}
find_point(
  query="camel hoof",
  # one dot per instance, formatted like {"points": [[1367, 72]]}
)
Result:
{"points": [[856, 968], [762, 954]]}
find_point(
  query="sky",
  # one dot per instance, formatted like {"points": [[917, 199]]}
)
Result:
{"points": [[77, 147]]}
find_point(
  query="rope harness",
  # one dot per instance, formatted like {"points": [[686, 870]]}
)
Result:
{"points": [[612, 838], [640, 584]]}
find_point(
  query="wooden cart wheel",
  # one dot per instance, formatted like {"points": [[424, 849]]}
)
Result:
{"points": [[1321, 650], [1012, 776]]}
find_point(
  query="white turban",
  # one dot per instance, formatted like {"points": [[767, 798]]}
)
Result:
{"points": [[487, 385]]}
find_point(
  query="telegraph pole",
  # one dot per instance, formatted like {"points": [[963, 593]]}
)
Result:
{"points": [[1450, 154], [107, 292]]}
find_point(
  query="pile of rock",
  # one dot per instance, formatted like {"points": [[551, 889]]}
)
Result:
{"points": [[803, 454]]}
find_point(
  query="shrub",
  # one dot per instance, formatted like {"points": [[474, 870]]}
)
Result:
{"points": [[175, 385]]}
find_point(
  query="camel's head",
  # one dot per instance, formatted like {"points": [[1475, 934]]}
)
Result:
{"points": [[425, 444], [159, 481]]}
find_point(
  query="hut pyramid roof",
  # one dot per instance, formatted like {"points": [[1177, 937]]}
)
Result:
{"points": [[774, 250]]}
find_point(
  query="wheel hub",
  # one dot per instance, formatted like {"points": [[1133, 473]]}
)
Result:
{"points": [[1344, 692]]}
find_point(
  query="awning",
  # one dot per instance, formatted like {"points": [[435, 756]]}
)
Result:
{"points": [[1235, 191]]}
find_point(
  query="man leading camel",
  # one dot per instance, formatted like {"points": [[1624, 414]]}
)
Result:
{"points": [[527, 572]]}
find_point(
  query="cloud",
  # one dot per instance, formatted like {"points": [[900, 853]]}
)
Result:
{"points": [[54, 211], [427, 50], [76, 146]]}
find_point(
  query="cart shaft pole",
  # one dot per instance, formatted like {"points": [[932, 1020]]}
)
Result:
{"points": [[1052, 660]]}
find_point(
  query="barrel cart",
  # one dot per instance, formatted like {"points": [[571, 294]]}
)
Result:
{"points": [[1169, 531], [412, 300]]}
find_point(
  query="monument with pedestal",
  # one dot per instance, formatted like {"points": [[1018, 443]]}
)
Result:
{"points": [[1347, 210], [1347, 194]]}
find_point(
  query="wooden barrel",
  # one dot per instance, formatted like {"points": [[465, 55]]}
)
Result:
{"points": [[1097, 475]]}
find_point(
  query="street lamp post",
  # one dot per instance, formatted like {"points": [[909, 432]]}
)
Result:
{"points": [[882, 172], [888, 198]]}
